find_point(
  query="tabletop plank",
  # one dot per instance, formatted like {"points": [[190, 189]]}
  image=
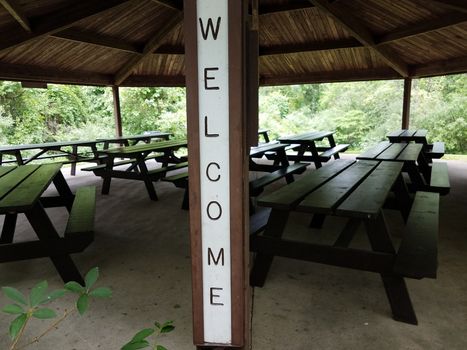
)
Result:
{"points": [[332, 193], [421, 133], [6, 169], [47, 145], [289, 196], [14, 177], [154, 147], [373, 152], [392, 152], [266, 147], [408, 133], [411, 152], [395, 133], [368, 199], [135, 137], [26, 193], [306, 137]]}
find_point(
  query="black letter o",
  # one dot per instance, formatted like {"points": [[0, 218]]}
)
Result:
{"points": [[209, 213]]}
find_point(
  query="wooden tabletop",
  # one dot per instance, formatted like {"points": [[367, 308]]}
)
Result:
{"points": [[408, 135], [21, 187], [400, 152], [344, 187], [47, 145], [136, 137], [267, 147], [128, 151], [306, 137]]}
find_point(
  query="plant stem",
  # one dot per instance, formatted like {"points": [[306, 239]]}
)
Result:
{"points": [[49, 329], [20, 334]]}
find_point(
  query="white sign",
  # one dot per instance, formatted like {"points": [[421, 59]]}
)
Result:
{"points": [[213, 87]]}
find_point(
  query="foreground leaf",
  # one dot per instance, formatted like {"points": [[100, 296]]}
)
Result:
{"points": [[13, 309], [82, 304], [38, 293], [101, 292], [15, 294], [167, 329], [142, 335], [54, 295], [74, 287], [16, 325], [135, 345], [44, 314], [160, 347], [91, 277]]}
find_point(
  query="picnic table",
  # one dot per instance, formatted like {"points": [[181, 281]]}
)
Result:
{"points": [[432, 151], [357, 191], [21, 190], [136, 157], [424, 176], [306, 143], [69, 149], [130, 140], [264, 134]]}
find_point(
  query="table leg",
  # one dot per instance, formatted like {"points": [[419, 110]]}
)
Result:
{"points": [[74, 158], [64, 190], [8, 229], [347, 233], [332, 143], [284, 162], [396, 289], [317, 220], [415, 176], [404, 202], [262, 263], [109, 165], [45, 230], [19, 158], [146, 178], [315, 154]]}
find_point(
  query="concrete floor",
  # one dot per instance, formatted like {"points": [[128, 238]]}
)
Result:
{"points": [[142, 248]]}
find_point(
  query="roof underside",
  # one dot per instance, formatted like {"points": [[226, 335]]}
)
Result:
{"points": [[140, 42]]}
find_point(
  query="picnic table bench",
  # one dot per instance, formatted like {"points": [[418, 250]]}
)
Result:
{"points": [[432, 151], [138, 170], [306, 143], [356, 190], [432, 177], [21, 190]]}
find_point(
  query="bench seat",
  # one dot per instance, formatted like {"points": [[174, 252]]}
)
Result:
{"points": [[257, 186], [180, 181], [439, 179], [333, 151], [436, 151], [417, 256]]}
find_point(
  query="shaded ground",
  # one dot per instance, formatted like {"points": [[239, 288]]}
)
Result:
{"points": [[142, 249]]}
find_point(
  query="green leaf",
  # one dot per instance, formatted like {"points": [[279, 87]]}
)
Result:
{"points": [[44, 314], [54, 295], [167, 329], [74, 287], [142, 334], [38, 293], [101, 292], [82, 304], [160, 347], [157, 324], [16, 325], [91, 277], [13, 309], [15, 294], [136, 345]]}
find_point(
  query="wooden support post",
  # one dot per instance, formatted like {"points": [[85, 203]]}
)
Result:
{"points": [[253, 76], [406, 103], [117, 111], [218, 172]]}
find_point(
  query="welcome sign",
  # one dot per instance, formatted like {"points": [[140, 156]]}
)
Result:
{"points": [[213, 90]]}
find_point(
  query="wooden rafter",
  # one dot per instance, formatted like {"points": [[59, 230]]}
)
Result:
{"points": [[173, 4], [265, 9], [15, 10], [362, 34], [457, 5], [57, 21], [309, 47], [447, 20], [149, 48], [97, 39], [451, 66]]}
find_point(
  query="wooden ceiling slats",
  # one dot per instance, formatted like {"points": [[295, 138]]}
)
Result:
{"points": [[17, 12], [457, 5]]}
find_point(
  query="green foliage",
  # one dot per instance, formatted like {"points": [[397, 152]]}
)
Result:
{"points": [[140, 339], [32, 307]]}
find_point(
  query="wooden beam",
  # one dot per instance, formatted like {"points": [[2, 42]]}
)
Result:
{"points": [[149, 48], [15, 10], [97, 39], [265, 9], [173, 4], [447, 20], [170, 50], [117, 111], [309, 47], [37, 74], [33, 85], [328, 77], [457, 5], [362, 34], [406, 103], [57, 21], [154, 81], [450, 66]]}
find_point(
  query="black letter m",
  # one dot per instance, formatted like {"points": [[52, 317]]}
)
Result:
{"points": [[220, 257], [210, 26]]}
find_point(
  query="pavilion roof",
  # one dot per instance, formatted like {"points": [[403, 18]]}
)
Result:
{"points": [[140, 42]]}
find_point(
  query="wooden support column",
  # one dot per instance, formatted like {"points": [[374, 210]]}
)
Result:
{"points": [[218, 171], [406, 103], [117, 111], [253, 76]]}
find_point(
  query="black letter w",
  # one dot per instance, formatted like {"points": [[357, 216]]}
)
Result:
{"points": [[210, 26]]}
